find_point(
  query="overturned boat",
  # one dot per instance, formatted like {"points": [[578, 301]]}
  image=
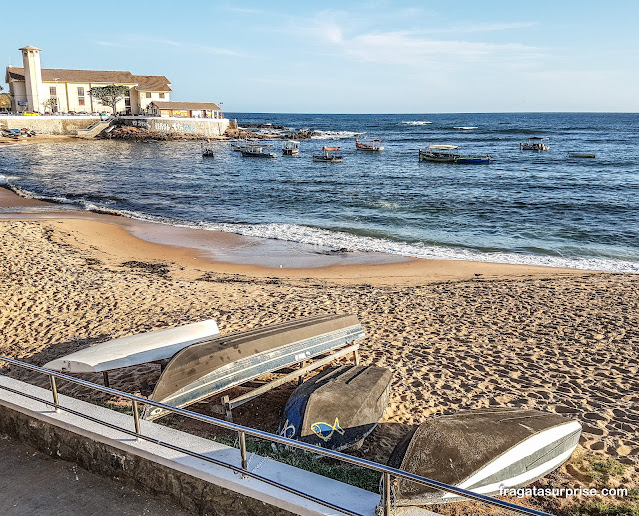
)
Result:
{"points": [[482, 450], [337, 408], [217, 364]]}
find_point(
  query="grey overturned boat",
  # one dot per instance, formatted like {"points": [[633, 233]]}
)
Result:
{"points": [[482, 450], [337, 408], [219, 363]]}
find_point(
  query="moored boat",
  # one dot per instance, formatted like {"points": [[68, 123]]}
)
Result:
{"points": [[534, 143], [369, 146], [581, 155], [328, 156], [474, 160], [257, 151], [207, 152], [240, 145], [482, 450], [337, 408], [440, 153], [291, 148]]}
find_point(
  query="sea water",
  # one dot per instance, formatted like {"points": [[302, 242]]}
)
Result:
{"points": [[540, 208]]}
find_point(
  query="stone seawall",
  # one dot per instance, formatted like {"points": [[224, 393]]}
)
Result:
{"points": [[206, 127], [62, 125]]}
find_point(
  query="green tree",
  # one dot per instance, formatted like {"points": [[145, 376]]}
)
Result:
{"points": [[109, 95]]}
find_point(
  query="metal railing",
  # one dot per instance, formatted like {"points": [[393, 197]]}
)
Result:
{"points": [[242, 432]]}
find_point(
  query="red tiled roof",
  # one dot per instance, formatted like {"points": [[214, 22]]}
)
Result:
{"points": [[185, 106], [152, 83], [78, 76]]}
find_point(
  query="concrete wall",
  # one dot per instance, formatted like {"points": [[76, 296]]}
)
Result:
{"points": [[199, 486], [207, 127], [48, 124]]}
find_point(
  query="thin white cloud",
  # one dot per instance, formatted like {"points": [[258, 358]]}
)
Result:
{"points": [[135, 40]]}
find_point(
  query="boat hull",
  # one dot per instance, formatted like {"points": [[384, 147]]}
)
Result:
{"points": [[473, 161], [482, 451], [135, 349], [337, 408], [437, 158], [219, 363]]}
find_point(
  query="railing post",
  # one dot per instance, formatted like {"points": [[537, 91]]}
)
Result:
{"points": [[136, 416], [387, 494], [54, 391], [243, 449]]}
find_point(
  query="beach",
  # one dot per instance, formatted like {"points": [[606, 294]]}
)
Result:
{"points": [[457, 335]]}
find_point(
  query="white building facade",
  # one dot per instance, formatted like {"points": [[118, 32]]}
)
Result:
{"points": [[40, 90]]}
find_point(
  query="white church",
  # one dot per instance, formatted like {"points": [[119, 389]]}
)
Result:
{"points": [[32, 87]]}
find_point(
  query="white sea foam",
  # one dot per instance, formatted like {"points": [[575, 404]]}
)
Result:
{"points": [[418, 122], [466, 128], [335, 135], [338, 240], [357, 243]]}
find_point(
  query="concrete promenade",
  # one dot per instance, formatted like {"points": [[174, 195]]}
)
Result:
{"points": [[35, 484]]}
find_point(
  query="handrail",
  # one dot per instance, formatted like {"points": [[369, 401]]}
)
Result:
{"points": [[242, 431]]}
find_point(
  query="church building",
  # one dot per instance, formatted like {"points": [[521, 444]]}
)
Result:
{"points": [[32, 88]]}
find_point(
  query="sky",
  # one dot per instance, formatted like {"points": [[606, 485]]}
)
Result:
{"points": [[462, 56]]}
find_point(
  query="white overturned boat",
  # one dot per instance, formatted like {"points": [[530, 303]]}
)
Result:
{"points": [[134, 350], [482, 450]]}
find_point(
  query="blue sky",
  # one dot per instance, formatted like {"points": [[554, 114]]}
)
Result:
{"points": [[354, 57]]}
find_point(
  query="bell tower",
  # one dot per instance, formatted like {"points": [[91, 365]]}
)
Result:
{"points": [[33, 78]]}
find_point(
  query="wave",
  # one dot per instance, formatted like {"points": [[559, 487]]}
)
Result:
{"points": [[418, 122], [353, 243], [466, 128], [336, 135]]}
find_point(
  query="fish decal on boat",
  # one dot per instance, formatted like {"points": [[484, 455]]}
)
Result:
{"points": [[325, 431]]}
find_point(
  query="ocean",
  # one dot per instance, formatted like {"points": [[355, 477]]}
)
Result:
{"points": [[524, 207]]}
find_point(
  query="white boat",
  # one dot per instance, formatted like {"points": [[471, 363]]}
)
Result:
{"points": [[257, 151], [291, 148], [240, 145], [137, 349], [440, 153], [328, 156], [534, 143], [482, 450]]}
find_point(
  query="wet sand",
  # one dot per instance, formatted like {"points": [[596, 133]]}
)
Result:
{"points": [[457, 335]]}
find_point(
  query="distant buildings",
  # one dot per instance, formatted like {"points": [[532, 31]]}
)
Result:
{"points": [[31, 88]]}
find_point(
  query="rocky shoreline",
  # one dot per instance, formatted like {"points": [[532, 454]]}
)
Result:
{"points": [[130, 133]]}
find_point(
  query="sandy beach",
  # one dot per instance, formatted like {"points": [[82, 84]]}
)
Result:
{"points": [[457, 335]]}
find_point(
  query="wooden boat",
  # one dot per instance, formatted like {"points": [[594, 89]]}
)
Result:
{"points": [[534, 143], [337, 408], [222, 362], [369, 146], [482, 450], [134, 350], [291, 148], [440, 153], [206, 151], [581, 155], [257, 151], [328, 156], [240, 145], [474, 160]]}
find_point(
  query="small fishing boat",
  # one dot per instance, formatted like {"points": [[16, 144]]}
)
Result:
{"points": [[534, 143], [257, 151], [482, 450], [474, 160], [369, 146], [207, 152], [581, 155], [240, 145], [328, 156], [440, 153], [337, 408], [291, 148]]}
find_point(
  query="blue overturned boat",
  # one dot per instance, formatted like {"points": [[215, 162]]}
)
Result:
{"points": [[337, 408]]}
